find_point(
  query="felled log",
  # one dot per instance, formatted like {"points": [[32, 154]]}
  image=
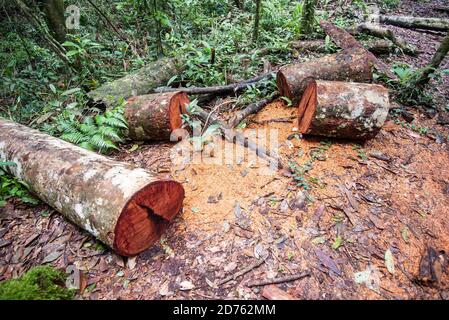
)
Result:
{"points": [[319, 46], [218, 90], [437, 58], [343, 109], [138, 82], [155, 116], [292, 79], [127, 208], [379, 31], [346, 41], [410, 22]]}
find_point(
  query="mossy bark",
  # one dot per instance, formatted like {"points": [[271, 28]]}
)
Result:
{"points": [[137, 83], [126, 207], [415, 22], [54, 15]]}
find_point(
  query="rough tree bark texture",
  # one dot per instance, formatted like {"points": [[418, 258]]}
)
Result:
{"points": [[54, 15], [155, 116], [343, 109], [346, 41], [139, 82], [292, 79], [415, 22], [125, 207]]}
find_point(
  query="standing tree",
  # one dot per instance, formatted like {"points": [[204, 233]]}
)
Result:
{"points": [[308, 16], [436, 61], [257, 20], [54, 16]]}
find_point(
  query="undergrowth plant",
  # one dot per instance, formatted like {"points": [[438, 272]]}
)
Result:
{"points": [[13, 188]]}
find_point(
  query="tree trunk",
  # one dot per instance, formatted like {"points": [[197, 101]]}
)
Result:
{"points": [[155, 116], [257, 20], [346, 41], [54, 15], [292, 79], [137, 83], [415, 22], [308, 17], [438, 57], [343, 109], [126, 207]]}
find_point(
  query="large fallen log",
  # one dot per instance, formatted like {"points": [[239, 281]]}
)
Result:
{"points": [[218, 90], [126, 207], [346, 41], [155, 116], [343, 109], [410, 22], [319, 46], [139, 82], [292, 79]]}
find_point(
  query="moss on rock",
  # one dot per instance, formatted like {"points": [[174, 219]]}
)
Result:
{"points": [[38, 283]]}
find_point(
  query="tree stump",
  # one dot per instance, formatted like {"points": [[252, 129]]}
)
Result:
{"points": [[155, 116], [127, 208], [343, 109], [292, 79]]}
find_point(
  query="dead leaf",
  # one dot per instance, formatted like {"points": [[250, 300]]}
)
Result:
{"points": [[389, 261], [52, 257], [186, 285], [327, 261], [131, 263]]}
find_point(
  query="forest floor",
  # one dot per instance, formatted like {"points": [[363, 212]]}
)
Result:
{"points": [[389, 195]]}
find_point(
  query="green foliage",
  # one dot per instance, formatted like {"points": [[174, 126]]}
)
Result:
{"points": [[307, 17], [38, 283], [390, 4], [96, 133], [406, 88], [13, 188]]}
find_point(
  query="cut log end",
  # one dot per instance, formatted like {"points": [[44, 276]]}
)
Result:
{"points": [[282, 85], [177, 107], [146, 216], [307, 107]]}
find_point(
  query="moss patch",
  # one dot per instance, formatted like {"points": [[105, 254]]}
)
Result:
{"points": [[38, 283]]}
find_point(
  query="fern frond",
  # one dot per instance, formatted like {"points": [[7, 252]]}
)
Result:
{"points": [[74, 137], [113, 122], [88, 129], [102, 144], [109, 132]]}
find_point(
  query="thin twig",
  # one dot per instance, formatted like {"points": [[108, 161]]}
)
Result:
{"points": [[290, 278], [242, 272]]}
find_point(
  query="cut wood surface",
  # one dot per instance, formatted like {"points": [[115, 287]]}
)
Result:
{"points": [[346, 66], [155, 116], [127, 208], [345, 40], [137, 83], [410, 22], [272, 292], [343, 109]]}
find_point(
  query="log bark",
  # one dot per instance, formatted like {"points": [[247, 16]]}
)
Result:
{"points": [[410, 22], [292, 79], [343, 109], [272, 292], [346, 41], [319, 46], [155, 116], [379, 31], [137, 83], [217, 90], [125, 207]]}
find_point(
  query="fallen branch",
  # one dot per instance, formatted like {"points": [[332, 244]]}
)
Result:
{"points": [[319, 46], [290, 278], [218, 90], [276, 120], [251, 109], [233, 136], [437, 58], [346, 41], [242, 272]]}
